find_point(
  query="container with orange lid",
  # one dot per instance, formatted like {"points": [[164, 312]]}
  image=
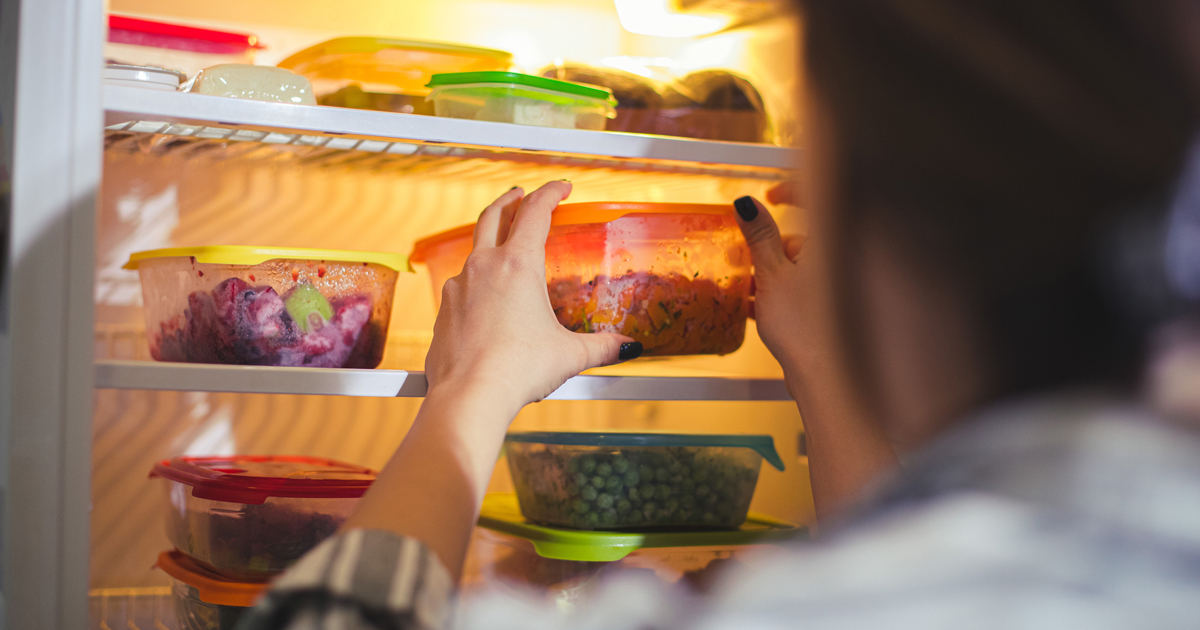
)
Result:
{"points": [[204, 600], [248, 517], [675, 277], [267, 305]]}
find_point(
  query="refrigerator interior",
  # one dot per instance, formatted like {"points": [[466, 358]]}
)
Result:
{"points": [[165, 189]]}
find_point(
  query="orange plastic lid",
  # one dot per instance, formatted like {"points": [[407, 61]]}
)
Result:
{"points": [[213, 589], [579, 214]]}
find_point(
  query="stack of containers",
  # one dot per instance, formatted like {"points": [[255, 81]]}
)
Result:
{"points": [[238, 521]]}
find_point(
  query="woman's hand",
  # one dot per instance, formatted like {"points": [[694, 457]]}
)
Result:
{"points": [[496, 332]]}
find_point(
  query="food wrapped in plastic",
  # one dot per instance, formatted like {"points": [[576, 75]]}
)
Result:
{"points": [[257, 83], [638, 101], [267, 306], [248, 517], [714, 105], [622, 480], [204, 600], [675, 277]]}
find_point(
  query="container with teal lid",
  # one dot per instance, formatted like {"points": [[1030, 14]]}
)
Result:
{"points": [[523, 99], [267, 306], [614, 480]]}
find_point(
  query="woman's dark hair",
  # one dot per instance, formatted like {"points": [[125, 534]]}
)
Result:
{"points": [[997, 140]]}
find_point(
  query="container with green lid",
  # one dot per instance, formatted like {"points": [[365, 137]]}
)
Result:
{"points": [[617, 480], [267, 305], [523, 99]]}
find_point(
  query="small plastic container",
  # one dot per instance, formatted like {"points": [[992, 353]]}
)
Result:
{"points": [[522, 99], [267, 306], [203, 600], [636, 480], [256, 83], [386, 74], [248, 517], [143, 77], [165, 45], [675, 277]]}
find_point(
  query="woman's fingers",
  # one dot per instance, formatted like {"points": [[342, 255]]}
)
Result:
{"points": [[792, 244], [787, 192], [762, 235], [493, 224], [531, 225], [607, 349]]}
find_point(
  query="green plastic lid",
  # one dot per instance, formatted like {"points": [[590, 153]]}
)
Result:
{"points": [[528, 80], [763, 444], [501, 513]]}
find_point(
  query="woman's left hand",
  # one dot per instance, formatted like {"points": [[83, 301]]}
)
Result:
{"points": [[496, 333]]}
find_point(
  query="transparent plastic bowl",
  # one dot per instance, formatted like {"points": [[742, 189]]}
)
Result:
{"points": [[675, 277], [204, 601], [250, 517], [264, 306], [521, 99], [636, 480]]}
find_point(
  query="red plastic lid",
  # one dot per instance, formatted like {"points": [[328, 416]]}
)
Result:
{"points": [[252, 479], [129, 30]]}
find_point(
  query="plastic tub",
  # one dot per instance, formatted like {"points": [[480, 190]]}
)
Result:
{"points": [[675, 277], [204, 601], [386, 74], [622, 480], [256, 83], [523, 99], [149, 43], [267, 306], [143, 77], [248, 517]]}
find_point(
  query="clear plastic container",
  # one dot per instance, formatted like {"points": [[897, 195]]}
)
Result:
{"points": [[386, 74], [165, 45], [256, 83], [675, 277], [267, 306], [522, 99], [147, 77], [248, 517], [204, 601], [636, 480]]}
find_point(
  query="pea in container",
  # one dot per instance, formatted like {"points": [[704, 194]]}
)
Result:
{"points": [[249, 517], [203, 600], [522, 99], [636, 480]]}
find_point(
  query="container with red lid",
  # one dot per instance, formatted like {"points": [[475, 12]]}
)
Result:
{"points": [[673, 276], [175, 46], [248, 517]]}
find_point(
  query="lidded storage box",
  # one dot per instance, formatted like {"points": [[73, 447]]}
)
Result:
{"points": [[203, 600], [175, 46], [523, 99], [267, 306], [675, 277], [247, 517]]}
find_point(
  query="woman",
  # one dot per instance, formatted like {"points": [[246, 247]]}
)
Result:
{"points": [[974, 167]]}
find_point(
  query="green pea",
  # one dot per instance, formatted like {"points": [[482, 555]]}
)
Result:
{"points": [[593, 519], [590, 493], [634, 494], [623, 506], [688, 486], [646, 472], [572, 489], [687, 500], [635, 516], [587, 465], [675, 468], [573, 466], [598, 481], [663, 491], [580, 506], [609, 517], [631, 478], [710, 518], [581, 479], [647, 490], [661, 474], [672, 505], [614, 484], [650, 509], [636, 503], [604, 500], [620, 464], [604, 469], [710, 500]]}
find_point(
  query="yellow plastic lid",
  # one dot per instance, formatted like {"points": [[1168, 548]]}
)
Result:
{"points": [[403, 64], [212, 588], [246, 255]]}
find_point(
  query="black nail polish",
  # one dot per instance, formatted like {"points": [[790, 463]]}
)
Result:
{"points": [[629, 351], [746, 208], [513, 188], [565, 180]]}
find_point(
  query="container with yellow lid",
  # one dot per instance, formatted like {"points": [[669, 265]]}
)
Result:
{"points": [[673, 276], [204, 600], [267, 306]]}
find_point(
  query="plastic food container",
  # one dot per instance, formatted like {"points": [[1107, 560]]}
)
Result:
{"points": [[622, 480], [204, 601], [149, 43], [256, 83], [675, 277], [267, 306], [247, 517], [386, 74], [143, 77], [523, 99]]}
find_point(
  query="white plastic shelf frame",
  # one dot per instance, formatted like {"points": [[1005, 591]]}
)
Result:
{"points": [[241, 127]]}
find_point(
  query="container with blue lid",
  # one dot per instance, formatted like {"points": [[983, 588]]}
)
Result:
{"points": [[615, 480]]}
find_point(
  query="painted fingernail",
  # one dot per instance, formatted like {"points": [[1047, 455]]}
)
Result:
{"points": [[746, 208], [565, 180], [630, 350], [514, 188]]}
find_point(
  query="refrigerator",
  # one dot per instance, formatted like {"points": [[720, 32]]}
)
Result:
{"points": [[97, 170]]}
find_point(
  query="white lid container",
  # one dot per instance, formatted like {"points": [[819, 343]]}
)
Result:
{"points": [[143, 76]]}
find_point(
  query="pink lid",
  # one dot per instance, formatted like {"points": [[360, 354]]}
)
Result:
{"points": [[252, 479], [128, 30]]}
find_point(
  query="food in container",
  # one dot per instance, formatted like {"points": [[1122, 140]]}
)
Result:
{"points": [[247, 517], [386, 74], [620, 480], [257, 83], [523, 99], [267, 306], [143, 77], [204, 600], [714, 105], [141, 42], [675, 277], [638, 101]]}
